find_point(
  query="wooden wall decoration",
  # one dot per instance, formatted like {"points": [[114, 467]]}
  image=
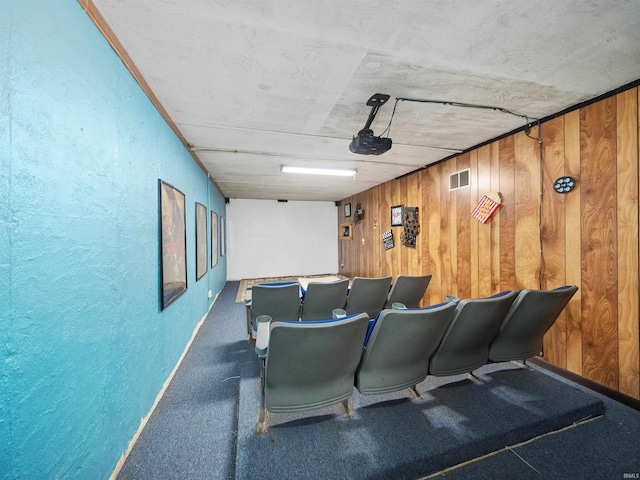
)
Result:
{"points": [[387, 239], [411, 227], [346, 231], [359, 214], [537, 238]]}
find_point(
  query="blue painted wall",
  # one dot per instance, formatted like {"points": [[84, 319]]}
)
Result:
{"points": [[85, 348]]}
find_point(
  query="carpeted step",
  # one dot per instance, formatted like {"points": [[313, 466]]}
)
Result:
{"points": [[397, 436]]}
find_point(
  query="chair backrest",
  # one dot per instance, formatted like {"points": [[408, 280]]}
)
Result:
{"points": [[367, 295], [280, 301], [312, 364], [401, 342], [321, 298], [465, 345], [408, 290], [532, 313]]}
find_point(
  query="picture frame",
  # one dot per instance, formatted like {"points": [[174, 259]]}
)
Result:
{"points": [[222, 237], [214, 239], [347, 209], [346, 231], [202, 265], [173, 243], [397, 212]]}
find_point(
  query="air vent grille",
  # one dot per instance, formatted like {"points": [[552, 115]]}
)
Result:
{"points": [[460, 179]]}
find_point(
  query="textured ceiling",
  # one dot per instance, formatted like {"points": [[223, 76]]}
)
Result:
{"points": [[253, 85]]}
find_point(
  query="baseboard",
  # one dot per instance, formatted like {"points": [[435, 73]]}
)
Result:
{"points": [[585, 382], [145, 419]]}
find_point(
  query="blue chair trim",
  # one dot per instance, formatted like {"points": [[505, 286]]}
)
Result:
{"points": [[276, 284], [429, 307], [370, 326], [330, 320]]}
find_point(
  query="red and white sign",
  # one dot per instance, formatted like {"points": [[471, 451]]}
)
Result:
{"points": [[487, 206]]}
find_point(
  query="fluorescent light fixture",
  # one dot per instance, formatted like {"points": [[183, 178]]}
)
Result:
{"points": [[320, 171]]}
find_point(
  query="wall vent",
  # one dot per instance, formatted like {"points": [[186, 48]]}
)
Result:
{"points": [[460, 179]]}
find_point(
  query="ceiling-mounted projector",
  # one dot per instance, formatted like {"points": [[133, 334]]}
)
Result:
{"points": [[366, 143]]}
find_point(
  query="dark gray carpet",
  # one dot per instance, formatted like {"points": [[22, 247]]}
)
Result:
{"points": [[191, 434], [605, 448], [396, 436]]}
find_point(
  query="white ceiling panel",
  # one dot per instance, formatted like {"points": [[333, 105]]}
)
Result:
{"points": [[252, 85]]}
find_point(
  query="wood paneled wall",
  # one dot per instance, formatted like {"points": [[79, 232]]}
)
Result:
{"points": [[537, 238]]}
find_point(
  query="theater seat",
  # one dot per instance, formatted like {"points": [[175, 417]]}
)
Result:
{"points": [[367, 295], [532, 313], [398, 349], [321, 298], [408, 290], [281, 301], [465, 345], [311, 365]]}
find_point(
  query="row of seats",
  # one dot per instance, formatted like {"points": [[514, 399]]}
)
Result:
{"points": [[310, 365], [288, 301]]}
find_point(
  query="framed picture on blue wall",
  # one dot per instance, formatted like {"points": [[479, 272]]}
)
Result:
{"points": [[173, 244], [214, 239], [222, 238], [201, 241]]}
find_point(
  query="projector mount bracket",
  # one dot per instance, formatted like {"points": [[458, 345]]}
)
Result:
{"points": [[365, 143], [375, 102]]}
